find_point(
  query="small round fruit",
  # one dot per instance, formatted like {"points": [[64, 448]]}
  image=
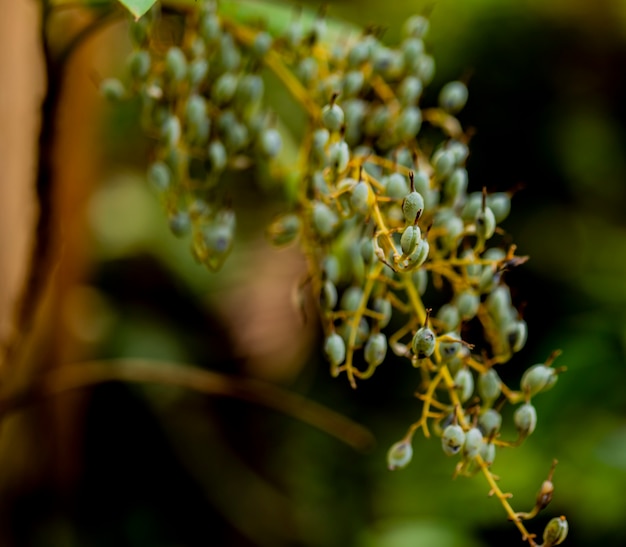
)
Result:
{"points": [[452, 439], [399, 455]]}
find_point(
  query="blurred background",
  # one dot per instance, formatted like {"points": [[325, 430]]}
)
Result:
{"points": [[143, 465]]}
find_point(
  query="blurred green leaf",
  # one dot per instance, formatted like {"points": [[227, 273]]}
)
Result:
{"points": [[137, 7]]}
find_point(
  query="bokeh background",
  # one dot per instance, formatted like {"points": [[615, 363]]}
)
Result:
{"points": [[144, 465]]}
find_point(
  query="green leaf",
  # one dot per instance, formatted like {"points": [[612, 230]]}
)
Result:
{"points": [[137, 7]]}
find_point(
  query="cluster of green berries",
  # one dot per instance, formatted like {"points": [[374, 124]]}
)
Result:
{"points": [[202, 101], [404, 256]]}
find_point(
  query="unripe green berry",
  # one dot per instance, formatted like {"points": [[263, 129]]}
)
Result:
{"points": [[331, 268], [490, 422], [423, 343], [516, 334], [332, 116], [488, 453], [416, 26], [217, 155], [361, 198], [412, 206], [500, 204], [224, 88], [159, 176], [139, 64], [448, 316], [399, 455], [325, 220], [444, 163], [335, 350], [396, 186], [473, 443], [555, 531], [384, 307], [409, 123], [464, 383], [410, 90], [175, 64], [525, 418], [171, 131], [375, 349], [485, 222], [284, 229], [453, 96], [351, 298], [467, 303], [112, 89], [329, 295], [180, 223], [489, 386], [198, 70], [452, 439], [538, 378], [419, 256], [270, 142], [339, 155], [410, 238]]}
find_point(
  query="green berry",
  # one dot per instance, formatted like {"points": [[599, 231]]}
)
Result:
{"points": [[334, 349], [489, 386], [325, 220], [332, 116], [423, 343], [396, 186], [419, 256], [351, 298], [538, 378], [270, 142], [525, 418], [385, 309], [112, 89], [217, 155], [399, 455], [375, 349], [159, 176], [473, 443], [416, 26], [452, 439], [453, 96], [488, 453], [516, 334], [464, 383], [361, 198], [139, 64], [180, 223], [339, 156], [412, 206], [500, 204], [490, 422], [485, 223], [467, 303], [329, 295], [555, 531], [175, 64], [284, 229], [410, 239], [448, 316]]}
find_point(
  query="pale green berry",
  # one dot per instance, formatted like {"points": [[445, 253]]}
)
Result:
{"points": [[180, 223], [159, 176], [423, 343], [396, 186], [555, 531], [362, 332], [218, 237], [464, 383], [448, 316], [467, 303], [485, 222], [500, 204], [339, 155], [416, 26], [399, 455], [453, 96], [307, 71], [335, 349], [498, 304], [489, 386], [368, 253], [331, 268], [139, 64], [351, 298], [270, 142], [353, 82], [410, 90], [448, 349], [284, 229], [217, 155], [412, 206], [452, 439], [420, 280], [419, 256], [175, 64], [410, 238], [250, 89], [455, 186], [375, 349], [112, 89], [198, 70], [488, 453], [490, 422], [224, 88], [444, 163], [516, 334], [325, 220], [385, 309], [425, 68], [473, 443], [332, 116], [361, 198], [329, 295], [409, 123], [171, 131], [538, 378], [525, 418], [262, 44]]}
